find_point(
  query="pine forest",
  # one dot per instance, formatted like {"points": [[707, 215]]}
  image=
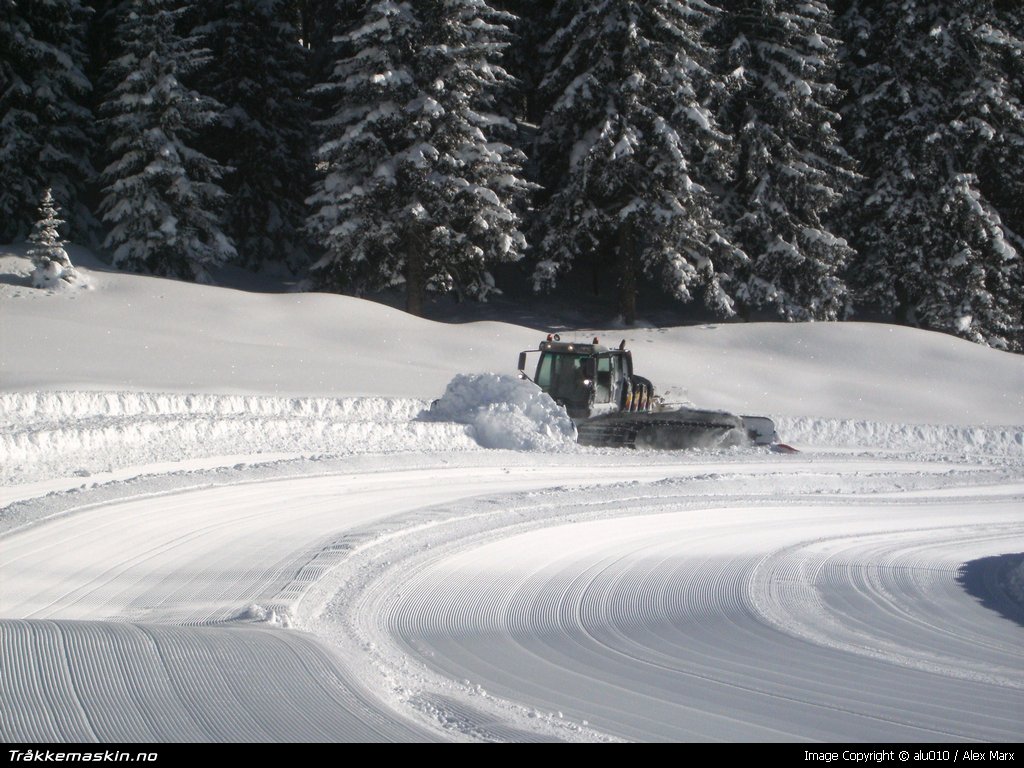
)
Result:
{"points": [[799, 160]]}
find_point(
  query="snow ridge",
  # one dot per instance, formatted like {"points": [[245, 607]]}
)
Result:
{"points": [[49, 407], [921, 438], [57, 434], [50, 434]]}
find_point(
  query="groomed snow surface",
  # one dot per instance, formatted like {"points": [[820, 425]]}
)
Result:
{"points": [[229, 516]]}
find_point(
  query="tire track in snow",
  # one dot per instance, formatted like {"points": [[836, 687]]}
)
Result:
{"points": [[611, 622], [124, 683], [576, 629], [866, 593], [544, 600], [193, 557], [39, 703]]}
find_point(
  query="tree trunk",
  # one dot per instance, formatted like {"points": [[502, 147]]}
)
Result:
{"points": [[627, 273], [901, 312], [743, 311], [415, 278]]}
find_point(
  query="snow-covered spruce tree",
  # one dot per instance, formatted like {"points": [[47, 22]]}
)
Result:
{"points": [[1000, 95], [791, 168], [103, 44], [631, 155], [416, 188], [531, 29], [163, 199], [52, 263], [318, 20], [937, 122], [45, 138], [257, 71]]}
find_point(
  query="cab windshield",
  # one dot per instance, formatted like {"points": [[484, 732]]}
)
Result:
{"points": [[562, 376]]}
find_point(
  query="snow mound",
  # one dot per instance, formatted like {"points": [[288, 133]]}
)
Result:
{"points": [[52, 276], [504, 412], [259, 614]]}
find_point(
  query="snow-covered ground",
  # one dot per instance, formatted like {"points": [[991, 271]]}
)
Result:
{"points": [[233, 516]]}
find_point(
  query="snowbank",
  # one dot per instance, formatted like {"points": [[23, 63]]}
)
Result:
{"points": [[47, 435], [504, 412], [58, 434], [61, 434], [944, 439]]}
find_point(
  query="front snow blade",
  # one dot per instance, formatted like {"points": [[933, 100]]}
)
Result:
{"points": [[678, 429], [760, 430]]}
